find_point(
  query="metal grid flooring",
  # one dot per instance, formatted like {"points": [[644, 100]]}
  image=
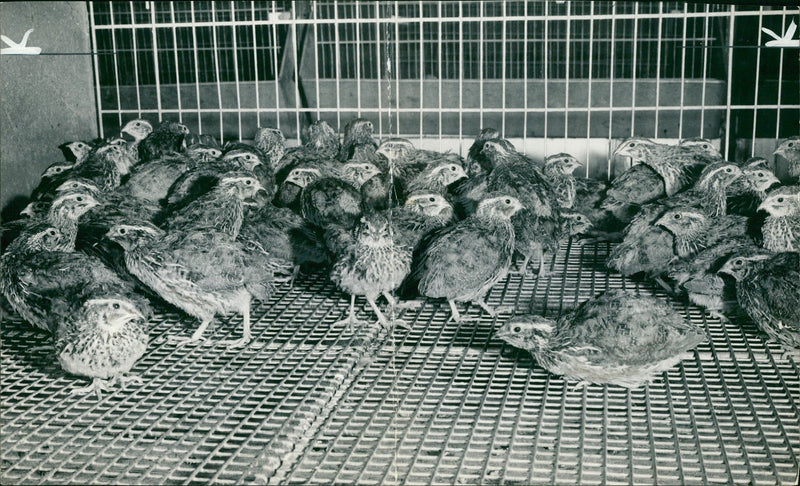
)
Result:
{"points": [[441, 403]]}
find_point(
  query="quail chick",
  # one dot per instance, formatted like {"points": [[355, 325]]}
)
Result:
{"points": [[678, 165], [357, 132], [768, 289], [201, 272], [222, 208], [781, 229], [618, 338], [76, 152], [406, 162], [321, 146], [745, 194], [469, 192], [167, 138], [421, 214], [558, 170], [693, 230], [436, 178], [372, 264], [789, 149], [253, 159], [477, 163], [52, 177], [105, 166], [574, 223], [463, 261], [272, 143], [102, 340], [331, 201], [537, 226]]}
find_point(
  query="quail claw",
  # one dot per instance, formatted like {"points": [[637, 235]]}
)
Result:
{"points": [[44, 347], [97, 386], [183, 340], [124, 380], [242, 342]]}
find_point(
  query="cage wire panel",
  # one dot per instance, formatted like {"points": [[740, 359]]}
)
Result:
{"points": [[441, 402]]}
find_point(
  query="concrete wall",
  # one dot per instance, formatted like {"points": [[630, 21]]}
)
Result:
{"points": [[44, 100]]}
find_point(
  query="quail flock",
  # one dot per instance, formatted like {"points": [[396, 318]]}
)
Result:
{"points": [[158, 215]]}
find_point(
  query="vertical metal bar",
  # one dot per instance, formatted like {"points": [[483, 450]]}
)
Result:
{"points": [[460, 72], [758, 81], [358, 59], [116, 62], [440, 42], [157, 73], [611, 88], [276, 67], [296, 72], [216, 70], [589, 89], [196, 70], [135, 61], [96, 62], [316, 56], [545, 50], [567, 41], [780, 84], [730, 82], [256, 76], [379, 65], [397, 66], [503, 71], [525, 74], [705, 71], [658, 64], [633, 63], [338, 64], [421, 69], [683, 68], [480, 62], [177, 64], [236, 70]]}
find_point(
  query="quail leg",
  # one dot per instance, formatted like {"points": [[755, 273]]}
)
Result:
{"points": [[351, 319], [660, 281], [392, 310], [454, 314], [197, 335], [542, 269], [246, 334], [523, 268], [97, 386], [124, 380], [719, 315], [483, 305]]}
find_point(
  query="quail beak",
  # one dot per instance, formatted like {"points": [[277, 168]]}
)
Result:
{"points": [[764, 206], [259, 199], [28, 211], [127, 136], [122, 316], [778, 151], [384, 152], [503, 333]]}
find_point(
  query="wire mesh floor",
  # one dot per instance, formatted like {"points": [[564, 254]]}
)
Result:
{"points": [[440, 403]]}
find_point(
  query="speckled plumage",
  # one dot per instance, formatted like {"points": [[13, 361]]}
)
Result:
{"points": [[463, 261], [789, 149], [617, 338], [102, 340], [357, 132], [768, 289], [781, 228], [167, 138]]}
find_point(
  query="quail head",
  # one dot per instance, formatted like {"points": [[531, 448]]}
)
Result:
{"points": [[617, 338], [357, 132], [272, 142], [462, 262], [477, 163], [76, 152], [558, 170], [789, 149], [167, 138], [781, 228], [768, 290], [102, 340], [436, 178], [138, 129], [693, 230]]}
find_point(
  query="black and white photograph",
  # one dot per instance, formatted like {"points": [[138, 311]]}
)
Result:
{"points": [[344, 242]]}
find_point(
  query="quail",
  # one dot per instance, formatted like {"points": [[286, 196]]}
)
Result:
{"points": [[617, 338], [165, 139], [781, 229]]}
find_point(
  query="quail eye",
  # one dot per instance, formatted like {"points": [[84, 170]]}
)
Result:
{"points": [[508, 201], [122, 231], [137, 124], [737, 263], [579, 218], [705, 145], [79, 199], [632, 145], [677, 216], [791, 144], [760, 174], [432, 199], [729, 170], [780, 199], [51, 232], [248, 182], [453, 168], [517, 329], [115, 306]]}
